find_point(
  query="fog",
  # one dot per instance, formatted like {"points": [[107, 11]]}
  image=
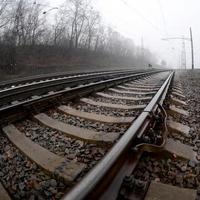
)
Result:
{"points": [[153, 20], [114, 33]]}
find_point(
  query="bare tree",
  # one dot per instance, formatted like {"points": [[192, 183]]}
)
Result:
{"points": [[93, 22], [77, 28], [59, 29], [4, 19], [76, 19], [100, 39], [35, 24], [27, 22]]}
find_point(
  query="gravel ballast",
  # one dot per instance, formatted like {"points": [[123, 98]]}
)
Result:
{"points": [[175, 171]]}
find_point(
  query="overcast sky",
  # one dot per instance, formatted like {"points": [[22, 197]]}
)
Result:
{"points": [[153, 20]]}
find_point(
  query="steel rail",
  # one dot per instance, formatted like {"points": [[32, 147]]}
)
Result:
{"points": [[39, 103], [89, 183], [57, 79], [38, 88], [30, 91], [28, 79], [48, 77], [80, 86]]}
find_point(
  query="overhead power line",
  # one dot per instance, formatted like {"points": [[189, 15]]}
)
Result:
{"points": [[187, 39], [163, 16], [142, 16]]}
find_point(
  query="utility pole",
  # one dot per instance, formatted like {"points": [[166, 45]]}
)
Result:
{"points": [[183, 55], [142, 52], [192, 48], [186, 39]]}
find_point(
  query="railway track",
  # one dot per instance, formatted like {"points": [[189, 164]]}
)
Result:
{"points": [[21, 90], [19, 83], [46, 77], [80, 142]]}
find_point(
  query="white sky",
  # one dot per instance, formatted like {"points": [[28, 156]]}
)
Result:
{"points": [[144, 19]]}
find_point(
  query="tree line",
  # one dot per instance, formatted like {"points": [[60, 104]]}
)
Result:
{"points": [[76, 26]]}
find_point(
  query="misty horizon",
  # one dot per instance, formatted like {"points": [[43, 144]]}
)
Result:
{"points": [[152, 20]]}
